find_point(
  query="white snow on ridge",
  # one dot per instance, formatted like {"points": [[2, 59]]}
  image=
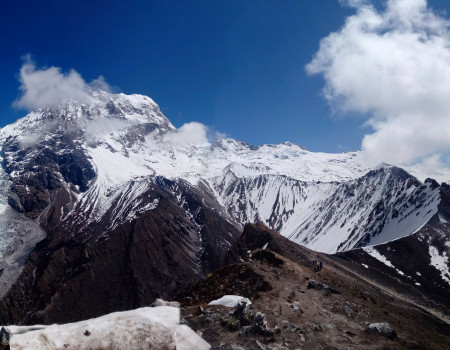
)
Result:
{"points": [[440, 262], [144, 328], [375, 254]]}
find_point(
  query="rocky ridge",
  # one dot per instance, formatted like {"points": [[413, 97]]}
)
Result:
{"points": [[331, 308]]}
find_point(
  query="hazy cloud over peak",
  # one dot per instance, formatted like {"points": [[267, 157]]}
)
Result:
{"points": [[50, 86], [393, 65], [192, 133]]}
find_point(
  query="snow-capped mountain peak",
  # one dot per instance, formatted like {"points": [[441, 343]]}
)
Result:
{"points": [[104, 112]]}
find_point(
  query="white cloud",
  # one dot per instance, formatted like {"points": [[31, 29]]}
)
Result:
{"points": [[50, 86], [393, 65], [192, 133]]}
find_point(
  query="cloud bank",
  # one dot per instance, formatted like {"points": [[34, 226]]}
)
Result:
{"points": [[50, 86], [393, 65]]}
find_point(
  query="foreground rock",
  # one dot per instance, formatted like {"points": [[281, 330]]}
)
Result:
{"points": [[382, 328]]}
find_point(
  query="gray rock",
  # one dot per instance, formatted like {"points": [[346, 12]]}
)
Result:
{"points": [[382, 328], [5, 336], [349, 311]]}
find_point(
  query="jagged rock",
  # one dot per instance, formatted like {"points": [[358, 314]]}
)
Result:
{"points": [[5, 337], [296, 307], [382, 328], [259, 319], [241, 308]]}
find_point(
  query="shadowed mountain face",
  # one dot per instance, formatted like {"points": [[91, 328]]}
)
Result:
{"points": [[112, 210], [76, 276]]}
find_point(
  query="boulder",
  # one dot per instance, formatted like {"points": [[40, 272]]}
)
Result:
{"points": [[382, 328]]}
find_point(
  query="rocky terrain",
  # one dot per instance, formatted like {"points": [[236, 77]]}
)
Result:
{"points": [[297, 306]]}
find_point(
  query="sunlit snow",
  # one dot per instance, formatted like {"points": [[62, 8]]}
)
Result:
{"points": [[230, 300], [144, 328], [440, 262]]}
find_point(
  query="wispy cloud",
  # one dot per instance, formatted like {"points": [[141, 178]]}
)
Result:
{"points": [[393, 65], [50, 86], [192, 133]]}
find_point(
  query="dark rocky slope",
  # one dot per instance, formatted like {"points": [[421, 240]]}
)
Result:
{"points": [[70, 276]]}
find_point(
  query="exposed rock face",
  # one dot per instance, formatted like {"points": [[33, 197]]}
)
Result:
{"points": [[381, 205], [49, 171], [109, 245]]}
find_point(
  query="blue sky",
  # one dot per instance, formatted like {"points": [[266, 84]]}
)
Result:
{"points": [[236, 66]]}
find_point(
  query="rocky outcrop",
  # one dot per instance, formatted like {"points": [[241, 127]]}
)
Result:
{"points": [[46, 174]]}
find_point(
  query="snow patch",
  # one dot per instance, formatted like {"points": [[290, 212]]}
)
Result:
{"points": [[144, 328], [441, 263], [230, 300], [376, 254], [442, 220]]}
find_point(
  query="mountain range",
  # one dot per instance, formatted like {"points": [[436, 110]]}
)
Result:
{"points": [[106, 206]]}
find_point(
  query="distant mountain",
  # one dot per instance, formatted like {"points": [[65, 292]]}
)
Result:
{"points": [[112, 208]]}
